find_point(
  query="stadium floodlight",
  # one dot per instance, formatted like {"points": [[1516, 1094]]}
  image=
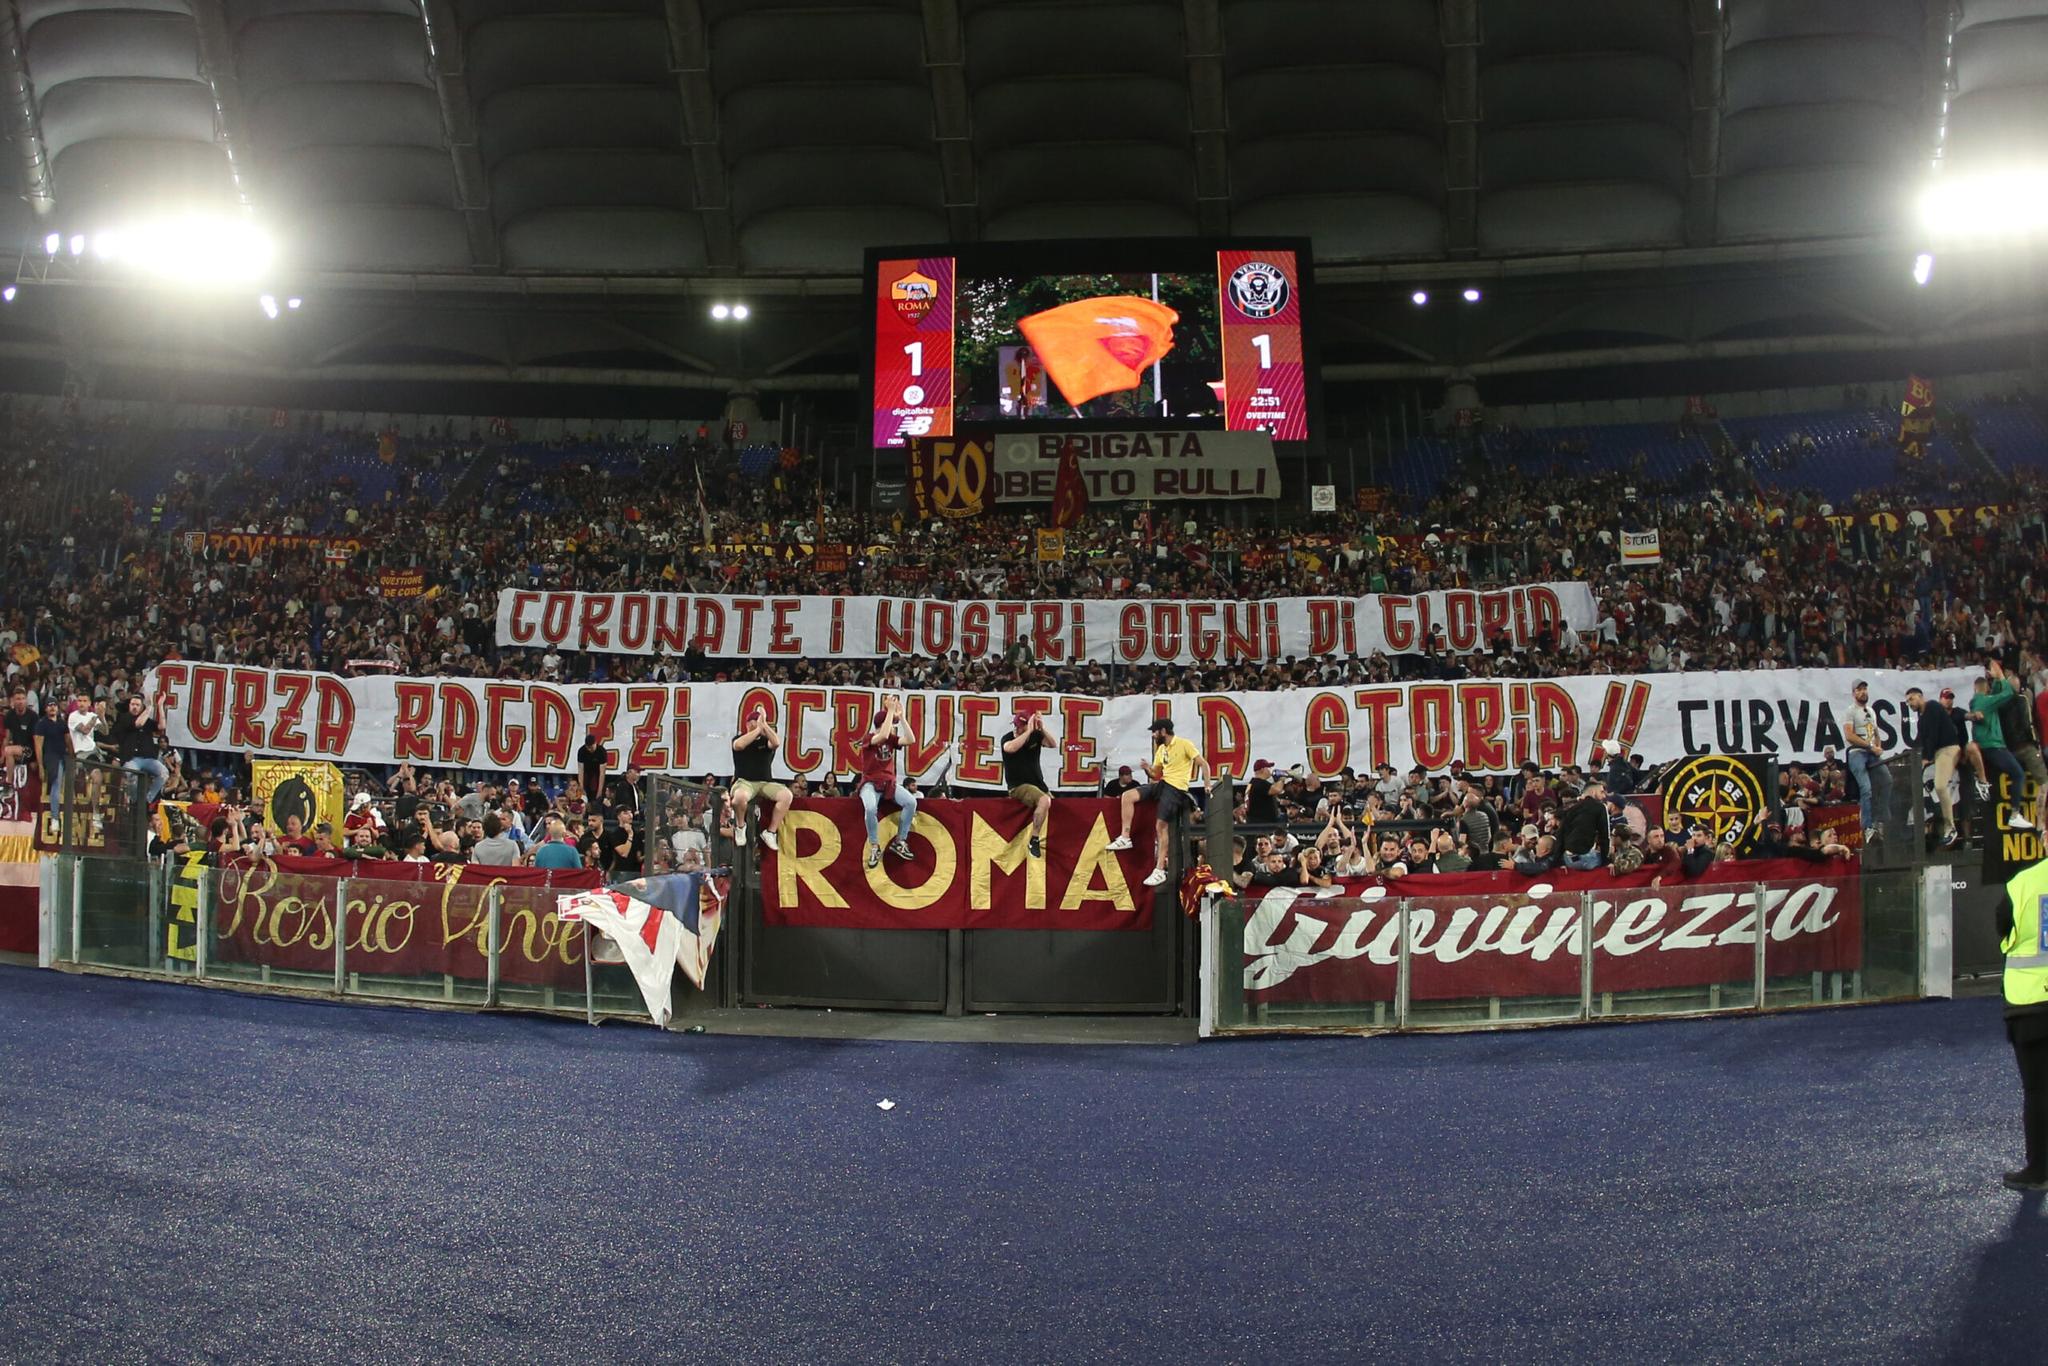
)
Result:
{"points": [[1471, 294], [293, 302], [53, 244], [739, 312], [7, 294], [1991, 204], [195, 250], [1419, 297], [1923, 268], [268, 303], [720, 312], [78, 244]]}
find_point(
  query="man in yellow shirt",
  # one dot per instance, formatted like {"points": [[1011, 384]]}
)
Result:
{"points": [[1175, 766]]}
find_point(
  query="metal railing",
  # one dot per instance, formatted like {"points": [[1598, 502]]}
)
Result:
{"points": [[1295, 960], [429, 941]]}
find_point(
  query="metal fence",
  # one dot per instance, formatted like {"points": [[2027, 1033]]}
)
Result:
{"points": [[1303, 962], [431, 941], [99, 810]]}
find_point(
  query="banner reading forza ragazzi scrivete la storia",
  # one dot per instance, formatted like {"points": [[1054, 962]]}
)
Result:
{"points": [[1492, 725], [1124, 631]]}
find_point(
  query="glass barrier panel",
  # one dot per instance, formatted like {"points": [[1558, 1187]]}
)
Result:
{"points": [[1894, 933], [1675, 950], [417, 941], [614, 992], [1841, 934], [63, 879], [271, 927], [683, 827], [540, 956], [1494, 958], [1292, 959], [118, 926]]}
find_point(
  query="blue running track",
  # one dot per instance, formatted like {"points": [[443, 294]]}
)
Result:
{"points": [[191, 1175]]}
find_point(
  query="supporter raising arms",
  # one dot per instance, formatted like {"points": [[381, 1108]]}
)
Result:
{"points": [[1024, 773], [753, 780], [878, 781]]}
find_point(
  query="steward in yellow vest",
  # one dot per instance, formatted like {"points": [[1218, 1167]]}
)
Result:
{"points": [[2024, 920]]}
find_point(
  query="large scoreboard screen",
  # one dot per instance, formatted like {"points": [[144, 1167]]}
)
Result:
{"points": [[1192, 333]]}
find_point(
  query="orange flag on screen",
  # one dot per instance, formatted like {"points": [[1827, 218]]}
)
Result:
{"points": [[1069, 490], [1097, 346]]}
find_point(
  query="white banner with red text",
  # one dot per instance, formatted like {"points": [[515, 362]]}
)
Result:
{"points": [[1488, 725], [1061, 631], [1474, 935]]}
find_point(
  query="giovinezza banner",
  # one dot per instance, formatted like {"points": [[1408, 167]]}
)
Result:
{"points": [[1491, 725], [1489, 935], [1058, 632], [971, 869]]}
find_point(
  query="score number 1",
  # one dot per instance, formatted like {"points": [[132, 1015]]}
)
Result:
{"points": [[913, 394]]}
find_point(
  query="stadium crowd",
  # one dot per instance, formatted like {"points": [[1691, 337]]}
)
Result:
{"points": [[1751, 576]]}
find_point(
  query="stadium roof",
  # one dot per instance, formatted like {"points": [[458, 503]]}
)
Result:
{"points": [[576, 172]]}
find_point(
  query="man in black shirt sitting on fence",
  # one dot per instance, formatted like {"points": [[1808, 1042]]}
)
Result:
{"points": [[1024, 773], [753, 780]]}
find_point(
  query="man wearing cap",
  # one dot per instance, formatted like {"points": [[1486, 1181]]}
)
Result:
{"points": [[1866, 761], [362, 815], [753, 754], [878, 781], [1176, 764], [1123, 782], [1024, 772], [1939, 746], [1260, 808]]}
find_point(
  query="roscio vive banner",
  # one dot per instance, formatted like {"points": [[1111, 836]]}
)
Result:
{"points": [[1491, 725], [403, 918], [970, 869], [1061, 631], [1483, 934]]}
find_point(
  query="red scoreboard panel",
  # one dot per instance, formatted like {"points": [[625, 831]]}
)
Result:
{"points": [[1264, 378], [913, 349], [1111, 334]]}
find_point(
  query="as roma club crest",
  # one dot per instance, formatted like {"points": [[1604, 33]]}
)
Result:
{"points": [[913, 295]]}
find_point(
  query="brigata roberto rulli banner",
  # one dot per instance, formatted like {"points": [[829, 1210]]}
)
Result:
{"points": [[1492, 934], [1061, 631], [970, 869], [961, 474], [1491, 725]]}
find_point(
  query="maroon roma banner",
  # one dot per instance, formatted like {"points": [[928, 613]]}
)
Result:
{"points": [[410, 919], [1484, 934], [972, 869]]}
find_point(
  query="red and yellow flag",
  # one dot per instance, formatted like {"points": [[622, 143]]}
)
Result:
{"points": [[1098, 346], [1916, 418], [1069, 489]]}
